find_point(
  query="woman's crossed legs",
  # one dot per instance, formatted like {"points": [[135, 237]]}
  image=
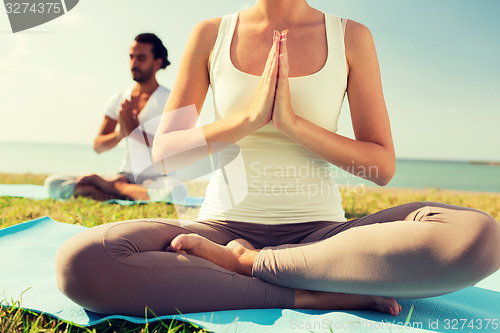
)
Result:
{"points": [[416, 250], [125, 266]]}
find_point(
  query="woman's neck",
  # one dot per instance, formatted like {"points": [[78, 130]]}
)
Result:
{"points": [[281, 12]]}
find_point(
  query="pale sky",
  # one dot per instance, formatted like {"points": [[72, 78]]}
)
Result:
{"points": [[438, 59]]}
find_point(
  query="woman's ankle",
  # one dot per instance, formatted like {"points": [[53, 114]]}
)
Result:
{"points": [[246, 261]]}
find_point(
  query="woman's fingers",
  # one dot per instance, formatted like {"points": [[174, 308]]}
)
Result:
{"points": [[283, 115], [283, 68], [272, 73], [283, 60], [261, 109], [271, 60], [274, 48]]}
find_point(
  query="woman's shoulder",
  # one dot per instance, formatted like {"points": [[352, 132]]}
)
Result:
{"points": [[207, 30], [208, 25], [356, 31], [202, 38], [358, 40]]}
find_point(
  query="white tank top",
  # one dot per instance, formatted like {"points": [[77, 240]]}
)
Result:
{"points": [[273, 179]]}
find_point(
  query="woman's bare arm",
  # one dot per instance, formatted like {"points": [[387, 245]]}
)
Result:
{"points": [[371, 154], [176, 136]]}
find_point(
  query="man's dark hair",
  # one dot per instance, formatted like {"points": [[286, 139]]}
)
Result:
{"points": [[159, 51]]}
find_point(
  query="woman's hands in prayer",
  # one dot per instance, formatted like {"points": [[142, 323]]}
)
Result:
{"points": [[272, 100], [283, 115], [261, 109]]}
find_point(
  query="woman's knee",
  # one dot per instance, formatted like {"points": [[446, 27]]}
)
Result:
{"points": [[476, 244], [80, 267], [463, 238], [485, 250], [89, 262]]}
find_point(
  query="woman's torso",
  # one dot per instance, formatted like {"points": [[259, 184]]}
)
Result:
{"points": [[274, 179]]}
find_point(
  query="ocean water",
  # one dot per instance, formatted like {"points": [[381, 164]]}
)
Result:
{"points": [[40, 158], [43, 158], [451, 175]]}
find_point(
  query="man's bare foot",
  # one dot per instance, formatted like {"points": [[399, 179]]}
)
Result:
{"points": [[87, 179], [98, 188], [96, 181], [111, 187], [118, 178], [92, 192], [320, 300], [237, 256]]}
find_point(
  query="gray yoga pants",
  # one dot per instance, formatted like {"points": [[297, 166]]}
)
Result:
{"points": [[415, 250]]}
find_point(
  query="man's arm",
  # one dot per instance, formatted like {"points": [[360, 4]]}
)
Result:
{"points": [[108, 137]]}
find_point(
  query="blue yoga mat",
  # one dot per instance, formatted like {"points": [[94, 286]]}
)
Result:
{"points": [[27, 276], [38, 192]]}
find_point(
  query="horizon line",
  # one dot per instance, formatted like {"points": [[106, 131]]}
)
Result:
{"points": [[400, 158]]}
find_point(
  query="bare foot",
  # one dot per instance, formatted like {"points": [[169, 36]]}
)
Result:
{"points": [[96, 181], [118, 178], [87, 179], [320, 300], [112, 188], [92, 192], [237, 256]]}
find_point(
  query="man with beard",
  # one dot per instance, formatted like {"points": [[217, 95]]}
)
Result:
{"points": [[125, 114]]}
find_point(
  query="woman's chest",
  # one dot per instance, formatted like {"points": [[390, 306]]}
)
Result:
{"points": [[307, 50]]}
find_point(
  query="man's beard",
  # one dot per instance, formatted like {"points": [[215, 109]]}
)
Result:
{"points": [[142, 76]]}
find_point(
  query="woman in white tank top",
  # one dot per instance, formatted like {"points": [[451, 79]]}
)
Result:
{"points": [[272, 228]]}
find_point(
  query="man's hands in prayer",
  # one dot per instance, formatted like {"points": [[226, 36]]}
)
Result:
{"points": [[127, 118]]}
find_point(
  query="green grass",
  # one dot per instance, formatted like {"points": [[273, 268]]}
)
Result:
{"points": [[376, 199], [91, 213], [16, 319], [88, 213]]}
